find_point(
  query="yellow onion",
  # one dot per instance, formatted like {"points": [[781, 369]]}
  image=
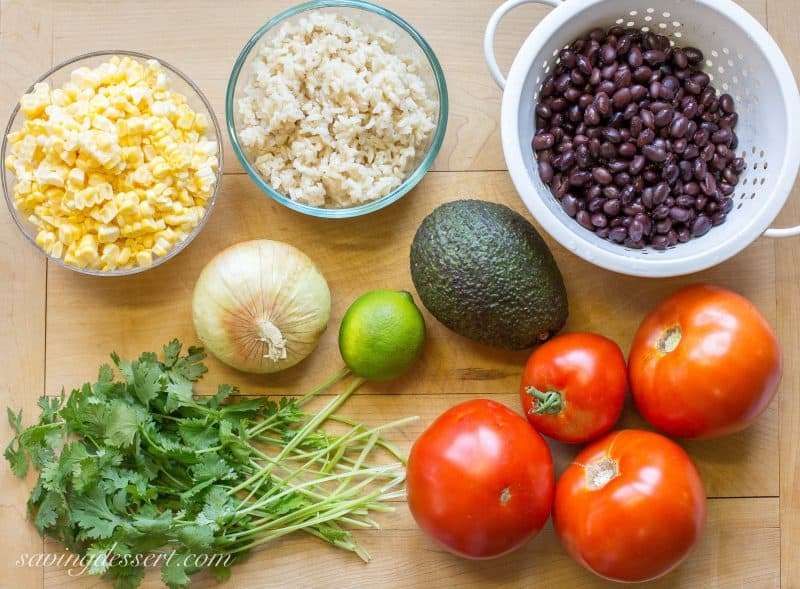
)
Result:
{"points": [[261, 306]]}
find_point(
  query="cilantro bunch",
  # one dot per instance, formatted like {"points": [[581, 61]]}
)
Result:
{"points": [[138, 464]]}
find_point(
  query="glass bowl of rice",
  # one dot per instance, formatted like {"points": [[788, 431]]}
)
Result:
{"points": [[336, 108]]}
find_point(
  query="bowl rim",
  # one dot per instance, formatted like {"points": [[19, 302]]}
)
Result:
{"points": [[210, 202], [421, 169], [652, 266]]}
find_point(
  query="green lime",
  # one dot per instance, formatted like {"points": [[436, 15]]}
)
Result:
{"points": [[381, 334]]}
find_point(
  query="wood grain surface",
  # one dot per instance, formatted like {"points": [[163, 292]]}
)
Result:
{"points": [[58, 326]]}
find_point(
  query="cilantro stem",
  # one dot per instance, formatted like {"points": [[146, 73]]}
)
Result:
{"points": [[310, 426]]}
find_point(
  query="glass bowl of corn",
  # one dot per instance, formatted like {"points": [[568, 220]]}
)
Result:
{"points": [[111, 162]]}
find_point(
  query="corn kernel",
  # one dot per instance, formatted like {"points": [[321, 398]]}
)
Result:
{"points": [[113, 157]]}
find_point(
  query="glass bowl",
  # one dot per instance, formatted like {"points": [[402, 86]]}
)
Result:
{"points": [[59, 75], [408, 42]]}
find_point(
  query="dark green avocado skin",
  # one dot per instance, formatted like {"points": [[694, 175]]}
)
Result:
{"points": [[484, 271]]}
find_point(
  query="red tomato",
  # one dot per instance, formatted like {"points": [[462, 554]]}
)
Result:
{"points": [[704, 363], [480, 480], [573, 387], [630, 507]]}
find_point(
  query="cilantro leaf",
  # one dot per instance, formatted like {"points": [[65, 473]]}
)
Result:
{"points": [[146, 380], [15, 420], [173, 571], [223, 392], [18, 460], [125, 577], [122, 424], [217, 510], [49, 407], [179, 394], [212, 467], [172, 352], [93, 516], [198, 433], [190, 367], [198, 538]]}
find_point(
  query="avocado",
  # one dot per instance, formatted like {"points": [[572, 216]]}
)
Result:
{"points": [[484, 271]]}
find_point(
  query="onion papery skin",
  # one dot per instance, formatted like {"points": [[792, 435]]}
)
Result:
{"points": [[261, 306]]}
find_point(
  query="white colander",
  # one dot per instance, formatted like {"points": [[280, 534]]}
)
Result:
{"points": [[743, 60]]}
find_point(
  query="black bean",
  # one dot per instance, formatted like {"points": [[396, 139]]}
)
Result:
{"points": [[622, 179], [684, 200], [729, 121], [606, 86], [699, 169], [602, 175], [679, 214], [648, 119], [617, 166], [680, 59], [584, 219], [611, 192], [679, 127], [595, 204], [584, 65], [543, 141], [692, 151], [591, 116], [686, 170], [635, 231], [726, 103], [603, 103], [599, 220], [664, 225], [647, 197], [684, 234], [709, 184], [607, 150], [693, 55], [612, 207], [618, 234], [654, 154], [663, 117], [566, 161], [623, 78], [660, 193], [612, 135], [633, 209], [730, 176], [722, 136], [725, 188], [718, 218], [622, 98], [545, 172], [701, 226], [718, 162], [659, 242], [579, 177], [635, 58], [654, 57], [627, 194], [637, 164], [726, 204], [646, 137], [570, 205]]}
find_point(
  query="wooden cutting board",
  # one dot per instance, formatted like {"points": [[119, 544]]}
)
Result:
{"points": [[58, 326]]}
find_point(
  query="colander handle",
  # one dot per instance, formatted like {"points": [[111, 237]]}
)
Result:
{"points": [[491, 30], [786, 232]]}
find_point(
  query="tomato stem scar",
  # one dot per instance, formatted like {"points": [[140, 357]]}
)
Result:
{"points": [[505, 496], [599, 474], [670, 339], [550, 402]]}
